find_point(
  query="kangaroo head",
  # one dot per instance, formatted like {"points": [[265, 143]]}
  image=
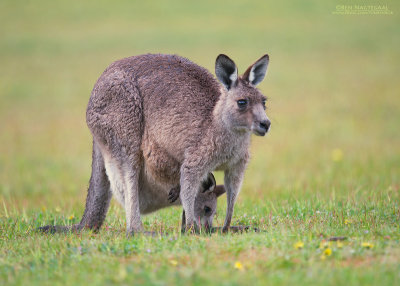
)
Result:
{"points": [[242, 106], [205, 205]]}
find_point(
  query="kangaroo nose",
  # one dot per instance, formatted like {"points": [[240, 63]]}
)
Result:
{"points": [[265, 125]]}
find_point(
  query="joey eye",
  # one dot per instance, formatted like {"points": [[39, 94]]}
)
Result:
{"points": [[242, 103], [207, 210], [264, 102]]}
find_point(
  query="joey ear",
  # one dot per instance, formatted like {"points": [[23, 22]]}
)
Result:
{"points": [[256, 72], [219, 190], [209, 184], [226, 71]]}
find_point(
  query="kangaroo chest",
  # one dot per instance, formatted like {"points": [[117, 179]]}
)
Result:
{"points": [[231, 153]]}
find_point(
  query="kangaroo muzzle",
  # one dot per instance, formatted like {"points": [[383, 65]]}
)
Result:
{"points": [[261, 128]]}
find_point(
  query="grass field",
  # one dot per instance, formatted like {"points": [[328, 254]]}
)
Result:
{"points": [[329, 167]]}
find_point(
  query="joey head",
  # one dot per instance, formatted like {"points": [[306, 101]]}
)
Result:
{"points": [[205, 203]]}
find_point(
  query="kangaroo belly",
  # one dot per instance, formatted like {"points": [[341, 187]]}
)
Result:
{"points": [[159, 165], [160, 173], [155, 182], [153, 195]]}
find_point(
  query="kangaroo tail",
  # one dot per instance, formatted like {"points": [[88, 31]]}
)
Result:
{"points": [[59, 228]]}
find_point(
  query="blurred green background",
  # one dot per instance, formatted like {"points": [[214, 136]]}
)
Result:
{"points": [[329, 166], [333, 88]]}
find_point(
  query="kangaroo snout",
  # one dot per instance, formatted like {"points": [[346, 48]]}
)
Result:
{"points": [[265, 125], [262, 127]]}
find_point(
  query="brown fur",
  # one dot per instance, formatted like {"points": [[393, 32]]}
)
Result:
{"points": [[159, 121]]}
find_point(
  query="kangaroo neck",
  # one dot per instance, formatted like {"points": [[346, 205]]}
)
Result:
{"points": [[224, 136]]}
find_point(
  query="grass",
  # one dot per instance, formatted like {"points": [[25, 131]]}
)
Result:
{"points": [[329, 167]]}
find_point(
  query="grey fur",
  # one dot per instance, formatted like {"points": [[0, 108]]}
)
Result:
{"points": [[160, 121]]}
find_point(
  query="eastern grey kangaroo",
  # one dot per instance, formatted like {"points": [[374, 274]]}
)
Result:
{"points": [[163, 120], [169, 104]]}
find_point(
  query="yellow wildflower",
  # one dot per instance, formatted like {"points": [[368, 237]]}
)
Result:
{"points": [[347, 221], [298, 245], [44, 209], [337, 155], [71, 217], [328, 252], [238, 265], [173, 262], [58, 209], [367, 245]]}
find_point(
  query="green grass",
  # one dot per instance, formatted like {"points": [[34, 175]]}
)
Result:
{"points": [[332, 85]]}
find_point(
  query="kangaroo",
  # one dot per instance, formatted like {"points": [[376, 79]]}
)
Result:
{"points": [[166, 104], [170, 104]]}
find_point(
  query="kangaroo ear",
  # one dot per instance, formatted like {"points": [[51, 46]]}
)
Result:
{"points": [[209, 184], [226, 71], [256, 72], [219, 190]]}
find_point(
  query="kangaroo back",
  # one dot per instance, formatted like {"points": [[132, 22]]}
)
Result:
{"points": [[178, 98]]}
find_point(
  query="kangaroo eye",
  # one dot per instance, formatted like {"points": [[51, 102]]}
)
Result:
{"points": [[207, 209], [242, 103]]}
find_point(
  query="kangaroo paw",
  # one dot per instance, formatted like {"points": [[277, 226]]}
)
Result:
{"points": [[173, 194]]}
